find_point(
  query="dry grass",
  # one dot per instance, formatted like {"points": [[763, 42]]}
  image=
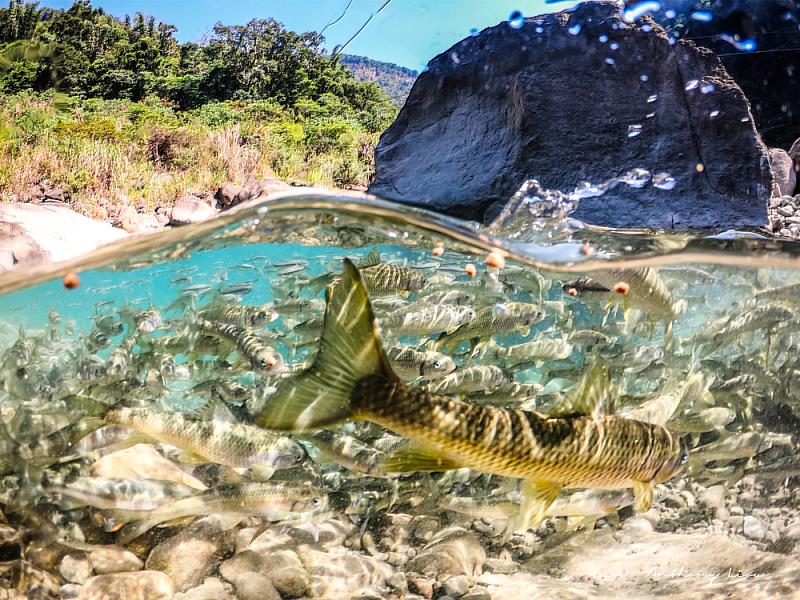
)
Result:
{"points": [[109, 154]]}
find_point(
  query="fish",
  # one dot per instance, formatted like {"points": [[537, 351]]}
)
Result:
{"points": [[272, 501], [240, 315], [489, 321], [478, 378], [351, 379], [427, 321], [411, 364], [236, 445], [260, 356], [382, 278], [123, 494], [537, 350], [707, 419]]}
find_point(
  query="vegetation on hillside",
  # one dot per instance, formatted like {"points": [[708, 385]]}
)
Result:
{"points": [[392, 79], [118, 110]]}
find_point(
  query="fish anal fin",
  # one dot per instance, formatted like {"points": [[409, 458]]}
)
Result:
{"points": [[643, 493], [537, 496], [412, 458]]}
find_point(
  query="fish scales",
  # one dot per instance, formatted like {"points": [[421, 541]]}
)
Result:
{"points": [[572, 452]]}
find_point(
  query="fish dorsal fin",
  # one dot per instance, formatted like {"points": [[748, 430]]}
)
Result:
{"points": [[214, 410], [371, 259], [593, 395]]}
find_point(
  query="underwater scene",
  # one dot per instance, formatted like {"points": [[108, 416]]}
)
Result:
{"points": [[328, 397]]}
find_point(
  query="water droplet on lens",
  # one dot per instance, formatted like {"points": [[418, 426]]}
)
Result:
{"points": [[637, 10], [702, 15], [516, 20], [634, 130], [609, 61], [614, 46], [652, 98], [670, 14], [692, 84], [664, 181], [575, 29], [539, 29], [602, 39], [647, 28], [644, 78]]}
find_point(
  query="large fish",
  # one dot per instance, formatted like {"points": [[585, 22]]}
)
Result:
{"points": [[578, 448]]}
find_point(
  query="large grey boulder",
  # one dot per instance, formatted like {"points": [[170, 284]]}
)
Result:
{"points": [[578, 96], [758, 42], [36, 233]]}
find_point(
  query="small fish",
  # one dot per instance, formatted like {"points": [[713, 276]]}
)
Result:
{"points": [[536, 350], [411, 364], [123, 494], [108, 325], [351, 379], [347, 451], [235, 445], [261, 356], [708, 419], [485, 378], [382, 278], [240, 315], [492, 320], [426, 321], [271, 501]]}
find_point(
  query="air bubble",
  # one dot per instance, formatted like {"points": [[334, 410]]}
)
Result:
{"points": [[540, 30], [644, 78], [664, 181], [691, 85], [634, 130], [742, 45], [652, 98], [670, 14], [707, 88], [614, 46], [713, 113], [575, 29], [602, 39], [610, 61], [474, 31]]}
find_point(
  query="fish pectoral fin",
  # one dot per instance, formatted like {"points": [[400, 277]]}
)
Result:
{"points": [[262, 472], [643, 492], [413, 457], [593, 395], [231, 476], [537, 496]]}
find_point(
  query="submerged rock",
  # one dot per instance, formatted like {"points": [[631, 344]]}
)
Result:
{"points": [[453, 551], [190, 209], [574, 97], [144, 585]]}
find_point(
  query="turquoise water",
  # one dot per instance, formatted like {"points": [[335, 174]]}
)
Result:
{"points": [[742, 367]]}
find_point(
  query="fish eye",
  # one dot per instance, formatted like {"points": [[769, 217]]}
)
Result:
{"points": [[437, 365], [315, 501], [684, 457]]}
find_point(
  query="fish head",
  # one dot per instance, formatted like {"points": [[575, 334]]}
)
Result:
{"points": [[439, 364], [675, 461], [308, 499], [270, 361], [286, 454]]}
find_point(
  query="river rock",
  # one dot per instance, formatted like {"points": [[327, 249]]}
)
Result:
{"points": [[254, 586], [113, 559], [783, 173], [190, 209], [753, 528], [144, 585], [552, 102], [75, 568], [342, 574], [190, 556], [291, 582], [36, 233], [768, 70], [453, 551], [211, 589]]}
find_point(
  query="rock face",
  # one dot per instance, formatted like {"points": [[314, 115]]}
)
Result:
{"points": [[784, 175], [767, 70], [573, 97], [34, 233]]}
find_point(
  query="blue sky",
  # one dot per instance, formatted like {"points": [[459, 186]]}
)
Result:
{"points": [[406, 32]]}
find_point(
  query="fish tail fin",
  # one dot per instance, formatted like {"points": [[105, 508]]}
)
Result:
{"points": [[133, 530], [349, 351]]}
